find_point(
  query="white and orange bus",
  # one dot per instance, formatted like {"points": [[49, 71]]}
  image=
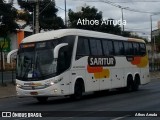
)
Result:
{"points": [[72, 62]]}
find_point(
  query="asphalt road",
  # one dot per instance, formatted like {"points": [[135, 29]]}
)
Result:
{"points": [[96, 107]]}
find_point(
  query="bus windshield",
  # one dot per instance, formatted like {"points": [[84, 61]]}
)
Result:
{"points": [[35, 61]]}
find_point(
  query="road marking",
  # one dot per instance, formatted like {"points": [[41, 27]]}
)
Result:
{"points": [[118, 118]]}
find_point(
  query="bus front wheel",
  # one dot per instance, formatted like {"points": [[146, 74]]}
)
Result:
{"points": [[78, 90]]}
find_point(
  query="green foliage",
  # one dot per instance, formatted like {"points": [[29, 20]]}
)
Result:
{"points": [[9, 14], [91, 13], [48, 18]]}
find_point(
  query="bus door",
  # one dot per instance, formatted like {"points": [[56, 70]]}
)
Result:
{"points": [[62, 66]]}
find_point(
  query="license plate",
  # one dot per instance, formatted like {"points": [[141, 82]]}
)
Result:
{"points": [[34, 93]]}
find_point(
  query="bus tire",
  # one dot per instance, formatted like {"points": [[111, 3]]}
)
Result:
{"points": [[130, 84], [78, 90], [136, 83], [42, 99]]}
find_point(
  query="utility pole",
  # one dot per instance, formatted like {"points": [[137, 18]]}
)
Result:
{"points": [[35, 4], [151, 27], [37, 17], [122, 19], [33, 19], [65, 13]]}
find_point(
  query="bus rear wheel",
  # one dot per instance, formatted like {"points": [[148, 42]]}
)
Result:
{"points": [[130, 84], [136, 83], [42, 99]]}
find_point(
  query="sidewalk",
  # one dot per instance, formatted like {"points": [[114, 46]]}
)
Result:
{"points": [[7, 91], [155, 75], [10, 89]]}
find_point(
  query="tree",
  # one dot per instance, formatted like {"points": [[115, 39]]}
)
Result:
{"points": [[7, 24], [8, 15], [91, 15], [87, 13], [48, 18]]}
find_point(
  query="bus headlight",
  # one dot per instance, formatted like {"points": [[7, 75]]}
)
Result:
{"points": [[18, 85], [48, 84]]}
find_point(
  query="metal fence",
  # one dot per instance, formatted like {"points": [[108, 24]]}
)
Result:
{"points": [[154, 62], [154, 66], [8, 74]]}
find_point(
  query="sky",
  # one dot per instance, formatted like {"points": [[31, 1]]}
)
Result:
{"points": [[139, 22], [136, 21]]}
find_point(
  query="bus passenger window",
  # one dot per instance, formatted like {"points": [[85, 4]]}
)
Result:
{"points": [[107, 47], [121, 48], [99, 47], [82, 48], [136, 49], [110, 48], [118, 47], [95, 45], [128, 48], [142, 49]]}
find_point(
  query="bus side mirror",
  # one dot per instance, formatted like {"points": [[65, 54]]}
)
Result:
{"points": [[57, 48], [10, 54]]}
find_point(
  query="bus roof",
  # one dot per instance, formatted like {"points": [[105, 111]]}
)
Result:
{"points": [[77, 32]]}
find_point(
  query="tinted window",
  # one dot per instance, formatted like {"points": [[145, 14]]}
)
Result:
{"points": [[107, 47], [128, 48], [110, 48], [142, 49], [121, 48], [118, 47], [136, 49], [96, 48], [82, 47], [99, 47]]}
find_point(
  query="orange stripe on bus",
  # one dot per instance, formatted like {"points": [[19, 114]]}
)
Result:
{"points": [[94, 69]]}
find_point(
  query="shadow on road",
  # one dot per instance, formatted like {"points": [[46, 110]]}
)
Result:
{"points": [[86, 97]]}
